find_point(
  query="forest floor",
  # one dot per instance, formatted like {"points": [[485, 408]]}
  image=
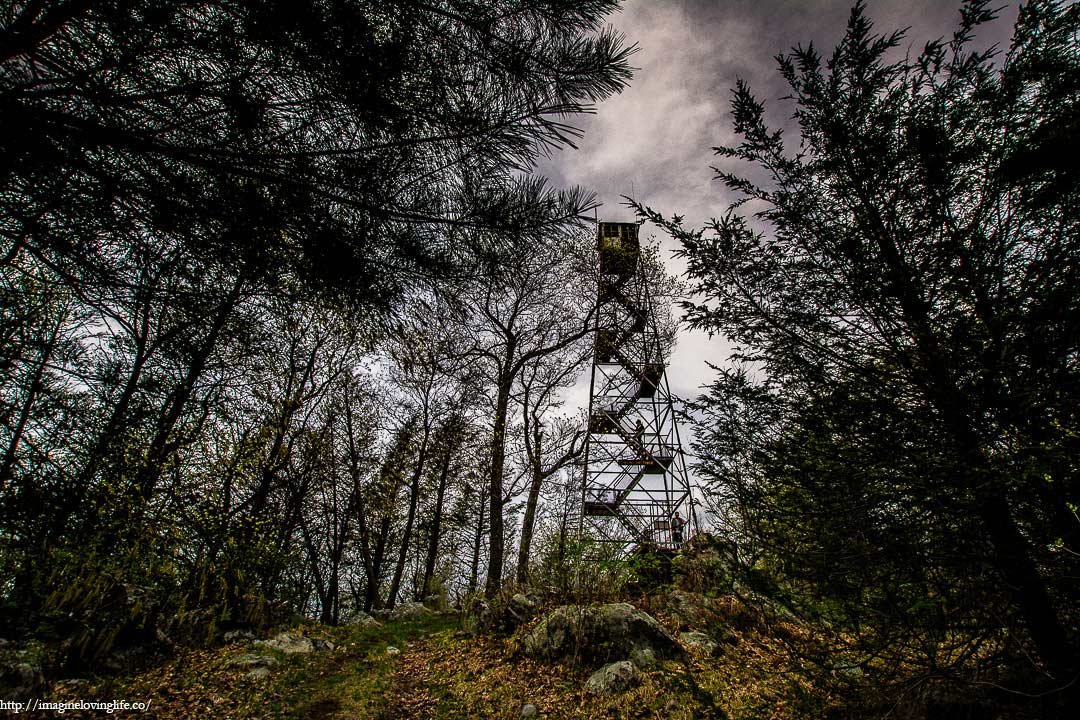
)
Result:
{"points": [[441, 672]]}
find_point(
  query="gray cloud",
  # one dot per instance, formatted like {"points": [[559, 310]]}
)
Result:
{"points": [[653, 142]]}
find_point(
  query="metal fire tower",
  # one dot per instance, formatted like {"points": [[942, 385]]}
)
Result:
{"points": [[634, 479]]}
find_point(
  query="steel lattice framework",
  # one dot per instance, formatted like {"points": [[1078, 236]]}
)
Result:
{"points": [[634, 477]]}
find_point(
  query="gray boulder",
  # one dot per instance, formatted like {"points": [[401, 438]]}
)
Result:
{"points": [[362, 618], [765, 606], [706, 564], [501, 616], [529, 710], [257, 666], [20, 678], [643, 656], [352, 615], [612, 679], [479, 618], [697, 612], [251, 661], [436, 602], [691, 609], [410, 611], [244, 635], [291, 643], [600, 634], [699, 640], [521, 609]]}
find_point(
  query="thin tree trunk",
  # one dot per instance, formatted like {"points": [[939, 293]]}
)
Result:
{"points": [[1013, 559], [108, 436], [371, 599], [275, 459], [406, 538], [495, 499], [478, 540], [360, 510], [314, 562], [7, 469], [436, 520], [160, 447], [527, 523]]}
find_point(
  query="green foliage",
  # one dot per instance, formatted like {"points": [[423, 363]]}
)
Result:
{"points": [[235, 582], [211, 213], [649, 570], [709, 565], [102, 596], [585, 571], [904, 302]]}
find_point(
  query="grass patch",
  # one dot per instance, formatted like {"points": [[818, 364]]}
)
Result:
{"points": [[440, 673], [353, 680]]}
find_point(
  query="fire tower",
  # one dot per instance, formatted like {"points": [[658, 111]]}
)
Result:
{"points": [[634, 479]]}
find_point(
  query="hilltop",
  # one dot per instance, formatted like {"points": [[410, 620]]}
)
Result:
{"points": [[679, 638]]}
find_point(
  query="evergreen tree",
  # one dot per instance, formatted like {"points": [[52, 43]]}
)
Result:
{"points": [[898, 431]]}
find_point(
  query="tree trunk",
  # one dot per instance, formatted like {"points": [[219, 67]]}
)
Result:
{"points": [[109, 435], [527, 523], [406, 538], [160, 447], [339, 538], [275, 458], [359, 509], [1012, 557], [7, 470], [371, 598], [1013, 560], [436, 520], [314, 562], [478, 539], [495, 500]]}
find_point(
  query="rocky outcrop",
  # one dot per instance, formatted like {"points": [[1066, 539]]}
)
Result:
{"points": [[706, 564], [612, 679], [437, 603], [362, 618], [699, 640], [355, 616], [291, 643], [404, 611], [410, 611], [765, 606], [692, 610], [19, 679], [712, 616], [239, 636], [251, 660], [502, 615], [257, 665], [521, 609], [600, 634]]}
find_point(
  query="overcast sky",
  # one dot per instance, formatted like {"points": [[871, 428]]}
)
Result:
{"points": [[653, 142]]}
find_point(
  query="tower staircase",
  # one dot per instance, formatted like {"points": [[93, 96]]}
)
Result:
{"points": [[635, 486]]}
